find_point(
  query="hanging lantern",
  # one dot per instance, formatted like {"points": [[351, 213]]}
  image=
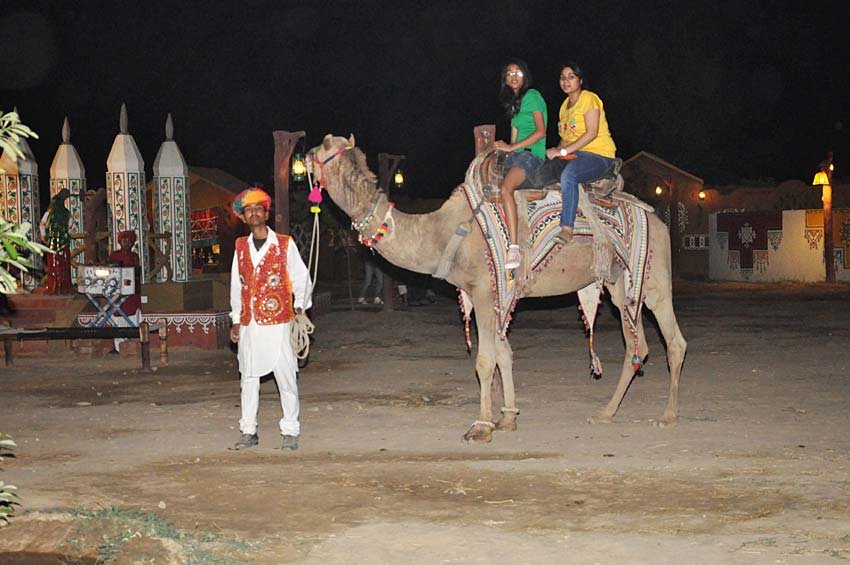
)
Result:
{"points": [[658, 190], [299, 168], [398, 178]]}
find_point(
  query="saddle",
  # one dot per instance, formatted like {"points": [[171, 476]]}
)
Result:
{"points": [[605, 190], [547, 178]]}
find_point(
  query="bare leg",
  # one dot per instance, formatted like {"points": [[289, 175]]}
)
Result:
{"points": [[512, 180]]}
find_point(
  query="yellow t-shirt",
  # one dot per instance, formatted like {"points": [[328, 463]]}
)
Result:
{"points": [[571, 124]]}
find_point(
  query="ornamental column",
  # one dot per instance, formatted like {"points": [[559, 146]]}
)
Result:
{"points": [[171, 205], [67, 171], [125, 192], [19, 197]]}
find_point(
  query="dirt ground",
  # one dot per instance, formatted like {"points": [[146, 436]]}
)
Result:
{"points": [[117, 464]]}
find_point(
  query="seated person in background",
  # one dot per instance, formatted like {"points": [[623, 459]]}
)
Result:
{"points": [[126, 257]]}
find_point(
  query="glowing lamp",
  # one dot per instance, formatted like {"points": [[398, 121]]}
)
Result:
{"points": [[701, 195], [398, 178], [299, 167], [658, 190], [821, 178]]}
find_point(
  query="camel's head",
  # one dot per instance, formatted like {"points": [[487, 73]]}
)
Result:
{"points": [[331, 148]]}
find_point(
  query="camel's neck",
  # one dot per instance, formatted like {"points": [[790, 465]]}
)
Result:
{"points": [[412, 241]]}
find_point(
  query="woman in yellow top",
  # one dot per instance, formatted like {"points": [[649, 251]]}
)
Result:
{"points": [[584, 133]]}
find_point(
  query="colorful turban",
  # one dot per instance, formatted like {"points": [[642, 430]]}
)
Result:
{"points": [[127, 234], [250, 197]]}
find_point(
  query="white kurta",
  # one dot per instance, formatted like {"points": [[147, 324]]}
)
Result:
{"points": [[261, 346]]}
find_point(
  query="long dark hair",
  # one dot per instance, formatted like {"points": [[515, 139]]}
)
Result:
{"points": [[511, 101]]}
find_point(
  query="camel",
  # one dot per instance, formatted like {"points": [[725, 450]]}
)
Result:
{"points": [[417, 242]]}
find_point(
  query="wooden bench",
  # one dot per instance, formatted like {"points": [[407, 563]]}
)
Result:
{"points": [[142, 333]]}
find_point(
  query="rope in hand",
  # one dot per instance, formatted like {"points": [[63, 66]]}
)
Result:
{"points": [[302, 327]]}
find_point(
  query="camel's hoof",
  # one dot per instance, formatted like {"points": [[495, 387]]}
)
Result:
{"points": [[480, 432], [600, 419], [506, 425], [666, 422]]}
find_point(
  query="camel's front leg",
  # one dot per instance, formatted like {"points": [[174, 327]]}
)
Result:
{"points": [[485, 363], [505, 360]]}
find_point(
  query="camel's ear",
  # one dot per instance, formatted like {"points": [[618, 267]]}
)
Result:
{"points": [[327, 142], [351, 140]]}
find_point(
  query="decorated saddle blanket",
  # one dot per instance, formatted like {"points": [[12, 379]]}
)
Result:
{"points": [[625, 226]]}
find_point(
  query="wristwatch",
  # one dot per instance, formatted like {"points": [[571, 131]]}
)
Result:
{"points": [[562, 152]]}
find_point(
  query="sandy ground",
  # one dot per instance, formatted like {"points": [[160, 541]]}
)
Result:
{"points": [[114, 463]]}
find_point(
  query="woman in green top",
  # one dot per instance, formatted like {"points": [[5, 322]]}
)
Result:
{"points": [[526, 109]]}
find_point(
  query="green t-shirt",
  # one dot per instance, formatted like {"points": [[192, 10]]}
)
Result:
{"points": [[523, 121]]}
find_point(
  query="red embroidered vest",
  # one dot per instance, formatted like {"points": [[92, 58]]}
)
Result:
{"points": [[266, 290]]}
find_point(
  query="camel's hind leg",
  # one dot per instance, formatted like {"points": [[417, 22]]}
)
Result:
{"points": [[659, 299], [618, 296]]}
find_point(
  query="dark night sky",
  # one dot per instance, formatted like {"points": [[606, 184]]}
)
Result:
{"points": [[727, 90]]}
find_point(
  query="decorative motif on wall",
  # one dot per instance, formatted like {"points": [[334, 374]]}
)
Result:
{"points": [[126, 212], [813, 237], [774, 238], [178, 322], [747, 232], [695, 242], [171, 211], [840, 232], [18, 204], [682, 216], [734, 260], [760, 260]]}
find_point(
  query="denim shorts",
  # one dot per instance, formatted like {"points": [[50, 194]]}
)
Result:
{"points": [[524, 160]]}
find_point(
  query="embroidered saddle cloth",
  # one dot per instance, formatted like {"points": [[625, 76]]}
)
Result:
{"points": [[624, 240]]}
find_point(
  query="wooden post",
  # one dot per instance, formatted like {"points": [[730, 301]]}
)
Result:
{"points": [[163, 341], [7, 350], [387, 164], [485, 137], [144, 338], [826, 198], [284, 143]]}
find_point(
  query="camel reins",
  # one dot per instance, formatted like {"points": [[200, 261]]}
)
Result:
{"points": [[322, 164], [359, 226]]}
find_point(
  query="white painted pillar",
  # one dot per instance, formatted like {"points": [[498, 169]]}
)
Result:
{"points": [[67, 171], [125, 191], [19, 199], [171, 204]]}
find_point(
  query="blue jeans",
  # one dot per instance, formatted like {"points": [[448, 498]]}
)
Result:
{"points": [[586, 166]]}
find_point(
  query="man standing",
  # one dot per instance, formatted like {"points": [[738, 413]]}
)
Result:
{"points": [[269, 283]]}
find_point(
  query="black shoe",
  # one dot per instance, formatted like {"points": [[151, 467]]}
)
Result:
{"points": [[290, 442], [246, 441]]}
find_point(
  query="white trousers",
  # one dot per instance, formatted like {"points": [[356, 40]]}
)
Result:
{"points": [[287, 385], [120, 322]]}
